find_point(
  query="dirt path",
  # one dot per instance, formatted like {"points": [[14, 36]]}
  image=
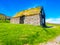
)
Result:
{"points": [[56, 41]]}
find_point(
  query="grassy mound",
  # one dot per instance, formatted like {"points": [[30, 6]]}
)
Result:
{"points": [[20, 34], [4, 21]]}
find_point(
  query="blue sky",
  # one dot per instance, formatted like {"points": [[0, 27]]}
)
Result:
{"points": [[11, 7]]}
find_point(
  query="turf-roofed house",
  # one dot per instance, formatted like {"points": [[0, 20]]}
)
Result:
{"points": [[34, 16]]}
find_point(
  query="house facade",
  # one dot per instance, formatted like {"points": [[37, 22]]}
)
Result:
{"points": [[33, 16]]}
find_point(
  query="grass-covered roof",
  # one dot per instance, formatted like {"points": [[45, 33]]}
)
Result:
{"points": [[29, 12]]}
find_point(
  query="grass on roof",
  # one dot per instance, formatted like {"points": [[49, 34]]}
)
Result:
{"points": [[29, 12]]}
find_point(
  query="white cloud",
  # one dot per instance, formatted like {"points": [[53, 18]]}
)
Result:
{"points": [[53, 20]]}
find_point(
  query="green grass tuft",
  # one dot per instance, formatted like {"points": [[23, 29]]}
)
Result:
{"points": [[20, 34]]}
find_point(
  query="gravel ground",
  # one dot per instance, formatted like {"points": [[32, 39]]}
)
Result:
{"points": [[56, 41]]}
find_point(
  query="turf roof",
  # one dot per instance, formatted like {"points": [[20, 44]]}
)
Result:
{"points": [[29, 12]]}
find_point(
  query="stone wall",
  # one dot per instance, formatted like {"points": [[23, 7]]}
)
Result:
{"points": [[15, 20], [34, 20]]}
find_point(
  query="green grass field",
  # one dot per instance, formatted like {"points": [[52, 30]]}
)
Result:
{"points": [[20, 34]]}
